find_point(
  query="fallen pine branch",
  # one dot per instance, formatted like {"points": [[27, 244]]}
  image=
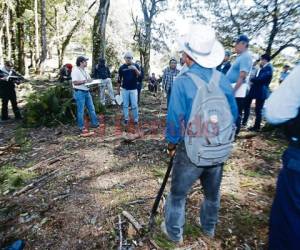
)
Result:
{"points": [[35, 183], [138, 227], [9, 148], [140, 201], [120, 232], [152, 242], [49, 161]]}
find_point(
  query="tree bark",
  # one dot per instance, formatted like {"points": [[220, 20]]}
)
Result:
{"points": [[1, 48], [274, 30], [8, 35], [36, 34], [20, 8], [13, 37], [57, 34], [44, 34], [65, 43], [150, 9], [99, 29]]}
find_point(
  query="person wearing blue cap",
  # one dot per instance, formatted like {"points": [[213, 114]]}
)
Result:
{"points": [[225, 65], [238, 74]]}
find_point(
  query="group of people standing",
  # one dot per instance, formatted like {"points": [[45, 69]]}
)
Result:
{"points": [[130, 76], [129, 86], [207, 95], [191, 92]]}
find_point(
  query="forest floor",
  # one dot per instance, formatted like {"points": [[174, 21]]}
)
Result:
{"points": [[81, 185]]}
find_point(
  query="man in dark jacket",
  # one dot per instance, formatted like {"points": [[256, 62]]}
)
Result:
{"points": [[153, 83], [128, 79], [259, 91], [102, 72], [8, 79], [225, 65], [140, 80]]}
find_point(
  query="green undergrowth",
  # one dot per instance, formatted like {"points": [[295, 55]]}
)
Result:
{"points": [[22, 139], [12, 178], [53, 107], [159, 172], [191, 231]]}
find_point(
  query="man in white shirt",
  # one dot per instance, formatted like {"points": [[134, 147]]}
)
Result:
{"points": [[82, 95], [283, 106]]}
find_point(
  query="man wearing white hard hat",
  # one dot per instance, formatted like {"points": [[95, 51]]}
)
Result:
{"points": [[128, 80], [201, 53]]}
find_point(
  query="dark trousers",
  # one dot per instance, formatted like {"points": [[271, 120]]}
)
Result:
{"points": [[139, 89], [241, 105], [285, 213], [12, 97], [168, 96], [152, 88], [259, 104]]}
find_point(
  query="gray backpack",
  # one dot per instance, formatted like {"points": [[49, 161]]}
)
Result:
{"points": [[210, 130]]}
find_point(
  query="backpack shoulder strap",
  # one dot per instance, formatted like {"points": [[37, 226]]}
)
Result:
{"points": [[196, 79], [215, 79], [213, 82]]}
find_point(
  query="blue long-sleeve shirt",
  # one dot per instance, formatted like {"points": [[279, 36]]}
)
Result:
{"points": [[182, 96]]}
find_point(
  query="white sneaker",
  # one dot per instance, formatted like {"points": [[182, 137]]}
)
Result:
{"points": [[164, 230]]}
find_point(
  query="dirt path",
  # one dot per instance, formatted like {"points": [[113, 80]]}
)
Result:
{"points": [[89, 181]]}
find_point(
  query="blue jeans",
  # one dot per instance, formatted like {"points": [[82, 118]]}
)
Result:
{"points": [[285, 213], [84, 98], [130, 95], [184, 175]]}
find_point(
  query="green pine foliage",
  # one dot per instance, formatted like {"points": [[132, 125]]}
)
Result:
{"points": [[53, 107], [12, 178]]}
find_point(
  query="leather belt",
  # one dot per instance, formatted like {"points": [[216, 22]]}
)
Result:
{"points": [[81, 90]]}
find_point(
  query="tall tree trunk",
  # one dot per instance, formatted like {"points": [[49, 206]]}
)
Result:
{"points": [[57, 34], [99, 28], [274, 29], [147, 49], [20, 8], [4, 34], [36, 34], [67, 40], [13, 37], [1, 46], [8, 35], [44, 34]]}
